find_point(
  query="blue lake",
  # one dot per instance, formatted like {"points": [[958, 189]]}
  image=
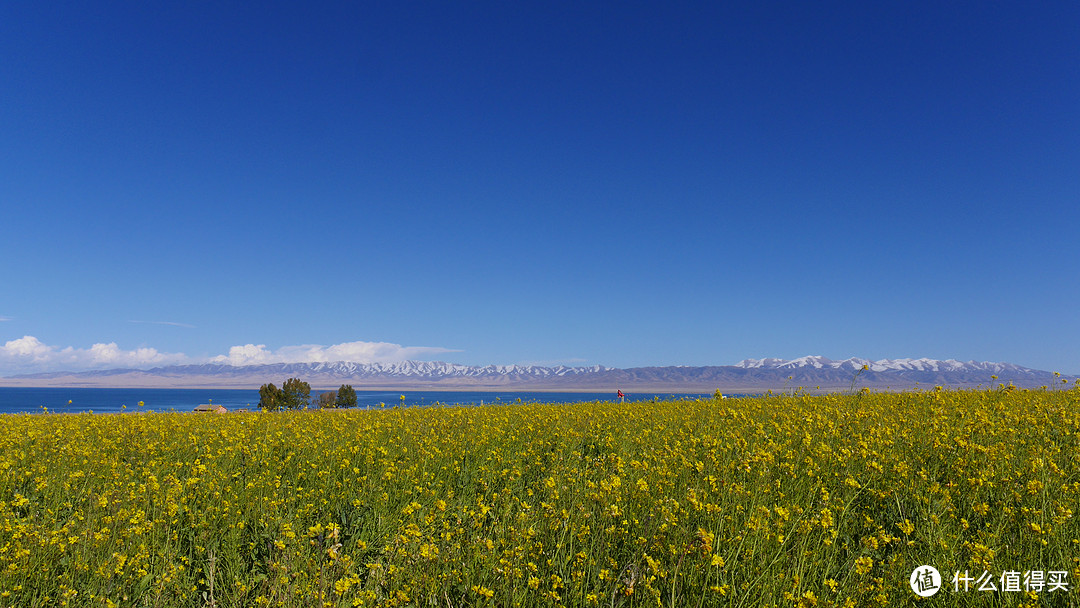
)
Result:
{"points": [[18, 400]]}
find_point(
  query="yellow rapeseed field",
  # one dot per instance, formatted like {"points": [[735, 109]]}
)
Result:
{"points": [[790, 500]]}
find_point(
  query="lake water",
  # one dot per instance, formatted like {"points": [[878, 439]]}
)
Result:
{"points": [[19, 400]]}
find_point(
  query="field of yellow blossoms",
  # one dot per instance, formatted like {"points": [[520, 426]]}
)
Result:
{"points": [[792, 500]]}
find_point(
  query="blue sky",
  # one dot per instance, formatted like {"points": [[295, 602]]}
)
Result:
{"points": [[623, 184]]}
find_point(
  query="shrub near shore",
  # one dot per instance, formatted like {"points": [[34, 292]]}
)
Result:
{"points": [[784, 500]]}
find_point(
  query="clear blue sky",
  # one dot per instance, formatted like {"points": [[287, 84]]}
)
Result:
{"points": [[625, 184]]}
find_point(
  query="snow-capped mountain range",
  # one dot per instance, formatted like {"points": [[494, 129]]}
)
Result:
{"points": [[855, 364], [750, 375]]}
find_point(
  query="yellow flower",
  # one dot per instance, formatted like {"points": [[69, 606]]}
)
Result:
{"points": [[483, 591]]}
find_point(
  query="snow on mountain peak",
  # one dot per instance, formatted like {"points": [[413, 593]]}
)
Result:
{"points": [[760, 363], [855, 363]]}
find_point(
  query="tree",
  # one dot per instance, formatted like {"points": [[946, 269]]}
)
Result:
{"points": [[271, 398], [346, 396], [296, 394], [327, 399]]}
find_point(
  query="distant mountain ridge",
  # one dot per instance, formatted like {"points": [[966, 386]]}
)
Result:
{"points": [[855, 364], [750, 375]]}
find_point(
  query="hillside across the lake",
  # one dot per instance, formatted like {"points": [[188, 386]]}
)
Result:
{"points": [[751, 375]]}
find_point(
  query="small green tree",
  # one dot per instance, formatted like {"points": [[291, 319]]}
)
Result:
{"points": [[328, 399], [296, 394], [346, 396], [271, 398]]}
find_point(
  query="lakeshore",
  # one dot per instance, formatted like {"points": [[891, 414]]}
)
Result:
{"points": [[72, 400]]}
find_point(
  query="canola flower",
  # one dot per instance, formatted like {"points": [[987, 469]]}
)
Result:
{"points": [[791, 500]]}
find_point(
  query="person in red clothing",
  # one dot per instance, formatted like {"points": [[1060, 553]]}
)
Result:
{"points": [[620, 395]]}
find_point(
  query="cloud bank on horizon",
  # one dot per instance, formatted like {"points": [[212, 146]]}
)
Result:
{"points": [[29, 355], [354, 352]]}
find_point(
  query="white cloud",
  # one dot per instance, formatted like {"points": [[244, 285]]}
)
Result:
{"points": [[248, 354], [356, 352], [28, 355], [26, 347], [3, 318]]}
